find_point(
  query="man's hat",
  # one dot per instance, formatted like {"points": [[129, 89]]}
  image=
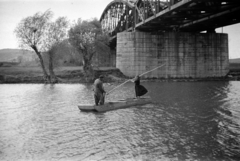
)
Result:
{"points": [[101, 76]]}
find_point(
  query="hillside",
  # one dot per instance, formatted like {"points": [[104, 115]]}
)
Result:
{"points": [[9, 55], [237, 60], [234, 65]]}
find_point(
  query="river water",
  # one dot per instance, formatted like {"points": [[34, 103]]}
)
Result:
{"points": [[186, 121]]}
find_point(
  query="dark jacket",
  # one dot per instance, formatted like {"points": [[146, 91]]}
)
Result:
{"points": [[139, 89], [98, 87]]}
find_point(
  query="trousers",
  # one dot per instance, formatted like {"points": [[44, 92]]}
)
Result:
{"points": [[99, 99]]}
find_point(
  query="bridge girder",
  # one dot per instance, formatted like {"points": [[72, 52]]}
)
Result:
{"points": [[169, 15], [117, 17]]}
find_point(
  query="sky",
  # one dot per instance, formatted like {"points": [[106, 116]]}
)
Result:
{"points": [[13, 11]]}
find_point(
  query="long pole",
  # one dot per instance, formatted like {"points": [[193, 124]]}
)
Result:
{"points": [[131, 79], [151, 70]]}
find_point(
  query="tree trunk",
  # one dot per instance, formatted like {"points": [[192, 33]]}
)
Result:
{"points": [[53, 78], [46, 76], [87, 68]]}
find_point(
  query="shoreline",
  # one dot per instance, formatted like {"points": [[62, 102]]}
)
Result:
{"points": [[26, 75], [111, 76]]}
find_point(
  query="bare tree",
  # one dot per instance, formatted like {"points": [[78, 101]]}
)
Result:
{"points": [[88, 38], [56, 34], [38, 33]]}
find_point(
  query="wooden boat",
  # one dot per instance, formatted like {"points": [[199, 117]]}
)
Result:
{"points": [[115, 105]]}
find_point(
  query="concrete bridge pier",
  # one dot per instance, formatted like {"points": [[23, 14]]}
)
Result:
{"points": [[186, 55]]}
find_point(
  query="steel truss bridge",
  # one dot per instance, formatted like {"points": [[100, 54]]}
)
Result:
{"points": [[169, 15]]}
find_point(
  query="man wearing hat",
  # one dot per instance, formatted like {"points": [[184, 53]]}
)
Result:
{"points": [[99, 92]]}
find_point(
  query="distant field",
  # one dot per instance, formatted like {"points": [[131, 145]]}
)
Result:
{"points": [[10, 54], [234, 60], [34, 71], [234, 64]]}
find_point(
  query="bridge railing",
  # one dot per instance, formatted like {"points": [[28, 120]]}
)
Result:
{"points": [[147, 8], [117, 17], [122, 15]]}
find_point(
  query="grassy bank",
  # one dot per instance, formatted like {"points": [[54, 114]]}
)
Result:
{"points": [[74, 74], [34, 71]]}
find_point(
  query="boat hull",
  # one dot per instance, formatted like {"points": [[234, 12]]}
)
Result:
{"points": [[115, 105]]}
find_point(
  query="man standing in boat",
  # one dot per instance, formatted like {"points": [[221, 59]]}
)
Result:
{"points": [[99, 92]]}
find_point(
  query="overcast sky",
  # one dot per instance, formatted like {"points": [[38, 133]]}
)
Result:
{"points": [[13, 11]]}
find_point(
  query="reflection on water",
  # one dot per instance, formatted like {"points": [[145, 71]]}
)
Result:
{"points": [[187, 121]]}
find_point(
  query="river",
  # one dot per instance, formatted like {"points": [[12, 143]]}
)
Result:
{"points": [[186, 121]]}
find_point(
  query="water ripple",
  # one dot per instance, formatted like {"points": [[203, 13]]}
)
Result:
{"points": [[187, 121]]}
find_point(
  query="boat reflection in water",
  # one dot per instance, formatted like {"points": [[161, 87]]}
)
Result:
{"points": [[187, 121]]}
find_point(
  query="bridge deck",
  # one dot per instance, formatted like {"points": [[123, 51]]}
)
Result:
{"points": [[193, 16], [169, 15]]}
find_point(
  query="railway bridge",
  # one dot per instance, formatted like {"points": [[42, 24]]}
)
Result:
{"points": [[177, 33]]}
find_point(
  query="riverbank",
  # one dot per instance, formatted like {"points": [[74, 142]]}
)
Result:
{"points": [[16, 74], [73, 74]]}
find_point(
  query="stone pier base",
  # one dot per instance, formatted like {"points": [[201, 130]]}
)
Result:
{"points": [[185, 55]]}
